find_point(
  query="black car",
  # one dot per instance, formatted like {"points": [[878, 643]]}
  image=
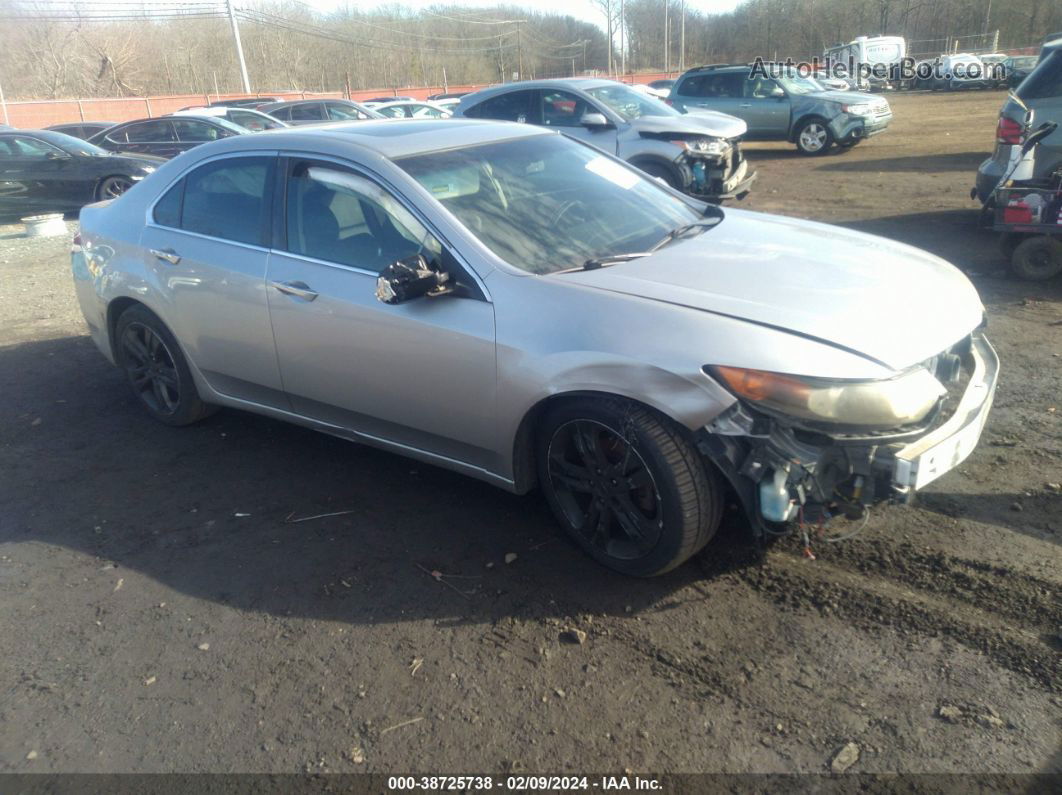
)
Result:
{"points": [[82, 129], [390, 99], [47, 170], [1017, 68], [448, 95], [315, 111], [164, 137]]}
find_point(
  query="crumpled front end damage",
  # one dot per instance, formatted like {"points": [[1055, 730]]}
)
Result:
{"points": [[784, 471], [718, 171]]}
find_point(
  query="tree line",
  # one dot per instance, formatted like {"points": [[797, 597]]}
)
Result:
{"points": [[58, 48]]}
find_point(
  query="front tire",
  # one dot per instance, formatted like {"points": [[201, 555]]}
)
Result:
{"points": [[156, 369], [814, 137], [627, 485], [660, 172]]}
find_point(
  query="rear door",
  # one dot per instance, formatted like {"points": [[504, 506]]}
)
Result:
{"points": [[206, 244], [192, 132], [518, 106], [419, 374], [307, 113]]}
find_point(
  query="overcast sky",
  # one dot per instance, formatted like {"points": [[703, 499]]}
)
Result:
{"points": [[580, 9]]}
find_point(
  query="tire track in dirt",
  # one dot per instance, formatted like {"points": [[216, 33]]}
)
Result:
{"points": [[881, 597]]}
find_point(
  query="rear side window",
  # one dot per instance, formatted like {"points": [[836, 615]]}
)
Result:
{"points": [[310, 112], [149, 132], [1045, 81], [168, 208], [227, 199], [195, 131], [512, 106], [281, 113]]}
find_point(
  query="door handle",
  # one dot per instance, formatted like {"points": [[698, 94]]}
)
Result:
{"points": [[745, 105], [167, 255], [297, 289]]}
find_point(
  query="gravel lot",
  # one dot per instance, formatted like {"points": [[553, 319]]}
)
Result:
{"points": [[161, 611]]}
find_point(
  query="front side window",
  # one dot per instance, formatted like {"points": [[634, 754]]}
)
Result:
{"points": [[338, 216], [227, 199], [547, 203], [196, 131], [337, 111], [561, 109]]}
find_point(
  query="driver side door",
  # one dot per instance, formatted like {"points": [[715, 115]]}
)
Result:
{"points": [[564, 111], [420, 374]]}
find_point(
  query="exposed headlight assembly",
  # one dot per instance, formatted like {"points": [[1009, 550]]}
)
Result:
{"points": [[902, 400], [706, 145], [858, 110]]}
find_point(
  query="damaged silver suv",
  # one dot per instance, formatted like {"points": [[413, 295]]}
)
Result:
{"points": [[696, 154], [518, 306]]}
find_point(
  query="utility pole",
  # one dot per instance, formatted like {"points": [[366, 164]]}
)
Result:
{"points": [[519, 55], [667, 49], [623, 38], [239, 47], [682, 40], [3, 105]]}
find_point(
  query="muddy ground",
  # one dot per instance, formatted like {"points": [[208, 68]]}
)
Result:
{"points": [[160, 612]]}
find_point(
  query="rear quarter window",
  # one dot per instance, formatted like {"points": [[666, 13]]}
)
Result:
{"points": [[1045, 81]]}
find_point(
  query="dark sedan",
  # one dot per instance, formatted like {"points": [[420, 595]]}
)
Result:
{"points": [[164, 137], [1017, 68], [82, 129], [315, 111], [244, 102], [47, 170]]}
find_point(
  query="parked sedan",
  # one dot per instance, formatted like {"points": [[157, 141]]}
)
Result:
{"points": [[244, 102], [250, 120], [47, 170], [700, 155], [166, 136], [316, 111], [82, 129], [519, 306], [417, 109]]}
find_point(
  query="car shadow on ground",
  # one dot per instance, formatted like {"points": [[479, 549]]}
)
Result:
{"points": [[953, 161], [954, 235], [213, 511], [1035, 515]]}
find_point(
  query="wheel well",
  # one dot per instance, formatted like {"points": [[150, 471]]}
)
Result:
{"points": [[99, 184], [525, 471], [642, 162], [802, 121], [114, 311]]}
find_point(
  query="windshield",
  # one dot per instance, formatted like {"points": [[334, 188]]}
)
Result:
{"points": [[800, 85], [76, 146], [547, 203], [630, 104]]}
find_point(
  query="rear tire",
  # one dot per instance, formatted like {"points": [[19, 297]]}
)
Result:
{"points": [[1037, 258], [156, 369], [626, 485]]}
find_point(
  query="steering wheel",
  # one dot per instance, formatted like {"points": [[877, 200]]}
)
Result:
{"points": [[564, 209]]}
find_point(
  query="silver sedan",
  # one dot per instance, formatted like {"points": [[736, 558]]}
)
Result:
{"points": [[516, 305]]}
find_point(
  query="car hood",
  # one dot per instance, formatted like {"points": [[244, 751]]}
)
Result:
{"points": [[847, 97], [705, 122], [890, 302]]}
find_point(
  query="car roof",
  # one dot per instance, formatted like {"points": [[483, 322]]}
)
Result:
{"points": [[390, 138], [285, 103]]}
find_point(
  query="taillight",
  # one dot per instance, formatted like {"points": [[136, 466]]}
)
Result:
{"points": [[1009, 131]]}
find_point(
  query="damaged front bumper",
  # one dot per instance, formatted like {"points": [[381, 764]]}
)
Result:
{"points": [[782, 470], [716, 177]]}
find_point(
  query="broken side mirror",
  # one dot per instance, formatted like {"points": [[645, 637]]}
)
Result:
{"points": [[777, 92], [409, 278]]}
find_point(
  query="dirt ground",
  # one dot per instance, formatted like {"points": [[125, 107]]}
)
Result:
{"points": [[160, 612]]}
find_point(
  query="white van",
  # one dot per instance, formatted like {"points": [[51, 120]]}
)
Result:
{"points": [[867, 53]]}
